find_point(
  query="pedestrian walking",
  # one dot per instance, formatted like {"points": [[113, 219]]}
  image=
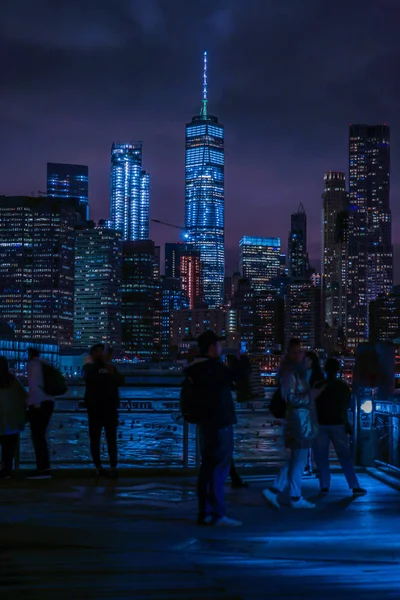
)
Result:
{"points": [[41, 407], [301, 426], [315, 377], [102, 403], [334, 427], [206, 400], [13, 397]]}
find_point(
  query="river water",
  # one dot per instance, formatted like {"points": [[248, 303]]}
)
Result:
{"points": [[153, 437]]}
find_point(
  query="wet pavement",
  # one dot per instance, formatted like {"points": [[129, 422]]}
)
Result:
{"points": [[79, 539]]}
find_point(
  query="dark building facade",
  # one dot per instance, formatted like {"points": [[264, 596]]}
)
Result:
{"points": [[69, 182], [138, 298], [173, 299], [269, 316], [97, 297], [37, 267], [335, 212], [303, 314], [384, 318], [297, 257], [370, 270]]}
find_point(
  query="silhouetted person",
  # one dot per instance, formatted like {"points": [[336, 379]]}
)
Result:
{"points": [[212, 382], [332, 407], [102, 403], [301, 426], [41, 407], [315, 377], [12, 416]]}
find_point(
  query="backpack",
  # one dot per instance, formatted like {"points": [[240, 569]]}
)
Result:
{"points": [[54, 383], [277, 406], [191, 402]]}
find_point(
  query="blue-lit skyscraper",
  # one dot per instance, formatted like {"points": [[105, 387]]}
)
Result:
{"points": [[69, 182], [260, 260], [130, 192], [204, 220]]}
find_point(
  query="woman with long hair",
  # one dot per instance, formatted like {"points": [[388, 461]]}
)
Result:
{"points": [[12, 416]]}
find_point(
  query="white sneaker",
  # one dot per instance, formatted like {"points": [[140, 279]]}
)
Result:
{"points": [[271, 498], [227, 522], [302, 503]]}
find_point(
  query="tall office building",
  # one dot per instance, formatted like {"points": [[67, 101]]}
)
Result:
{"points": [[260, 260], [69, 182], [37, 267], [384, 318], [190, 277], [138, 291], [130, 192], [173, 299], [303, 318], [335, 212], [97, 297], [269, 313], [297, 244], [370, 226], [173, 251], [204, 220]]}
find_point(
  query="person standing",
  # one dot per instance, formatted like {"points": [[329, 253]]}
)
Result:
{"points": [[315, 377], [212, 383], [41, 407], [102, 403], [301, 426], [12, 416], [332, 407]]}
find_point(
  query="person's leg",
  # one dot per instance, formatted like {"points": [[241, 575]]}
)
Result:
{"points": [[298, 461], [222, 459], [111, 426], [205, 474], [341, 444], [237, 481], [35, 425], [321, 455], [281, 479], [9, 446], [46, 410], [95, 428]]}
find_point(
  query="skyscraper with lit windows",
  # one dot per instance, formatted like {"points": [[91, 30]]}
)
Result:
{"points": [[69, 182], [298, 265], [370, 270], [130, 192], [260, 260], [204, 221]]}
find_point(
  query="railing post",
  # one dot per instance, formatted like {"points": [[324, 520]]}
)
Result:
{"points": [[185, 444], [198, 449]]}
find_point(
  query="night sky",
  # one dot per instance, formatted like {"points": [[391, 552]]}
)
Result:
{"points": [[285, 78]]}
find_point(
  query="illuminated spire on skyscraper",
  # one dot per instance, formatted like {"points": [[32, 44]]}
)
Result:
{"points": [[203, 111]]}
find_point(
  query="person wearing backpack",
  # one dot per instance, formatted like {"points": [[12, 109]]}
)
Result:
{"points": [[12, 416], [301, 426], [41, 407], [102, 403], [206, 400]]}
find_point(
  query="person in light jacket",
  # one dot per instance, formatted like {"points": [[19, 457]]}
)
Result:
{"points": [[301, 426], [12, 416], [41, 408]]}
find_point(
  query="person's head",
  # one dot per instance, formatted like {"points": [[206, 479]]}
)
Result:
{"points": [[4, 372], [210, 344], [33, 353], [332, 367], [295, 352], [97, 352]]}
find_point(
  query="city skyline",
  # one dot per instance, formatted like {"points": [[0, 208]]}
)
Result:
{"points": [[291, 140]]}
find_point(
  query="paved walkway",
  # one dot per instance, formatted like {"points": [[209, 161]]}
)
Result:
{"points": [[73, 539]]}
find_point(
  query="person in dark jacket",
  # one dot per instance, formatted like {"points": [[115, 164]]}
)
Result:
{"points": [[315, 377], [332, 406], [102, 403], [213, 382]]}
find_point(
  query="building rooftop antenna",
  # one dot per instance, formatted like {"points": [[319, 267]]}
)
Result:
{"points": [[203, 111]]}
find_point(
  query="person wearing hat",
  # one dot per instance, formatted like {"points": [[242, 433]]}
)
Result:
{"points": [[213, 382]]}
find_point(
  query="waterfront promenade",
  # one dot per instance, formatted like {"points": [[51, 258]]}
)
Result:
{"points": [[74, 539]]}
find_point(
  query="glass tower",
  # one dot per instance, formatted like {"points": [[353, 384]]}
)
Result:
{"points": [[260, 260], [69, 181], [130, 192], [204, 222], [370, 268]]}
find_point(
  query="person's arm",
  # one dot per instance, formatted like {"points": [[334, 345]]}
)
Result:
{"points": [[290, 392]]}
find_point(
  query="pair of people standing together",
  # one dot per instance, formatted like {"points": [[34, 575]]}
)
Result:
{"points": [[316, 415]]}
